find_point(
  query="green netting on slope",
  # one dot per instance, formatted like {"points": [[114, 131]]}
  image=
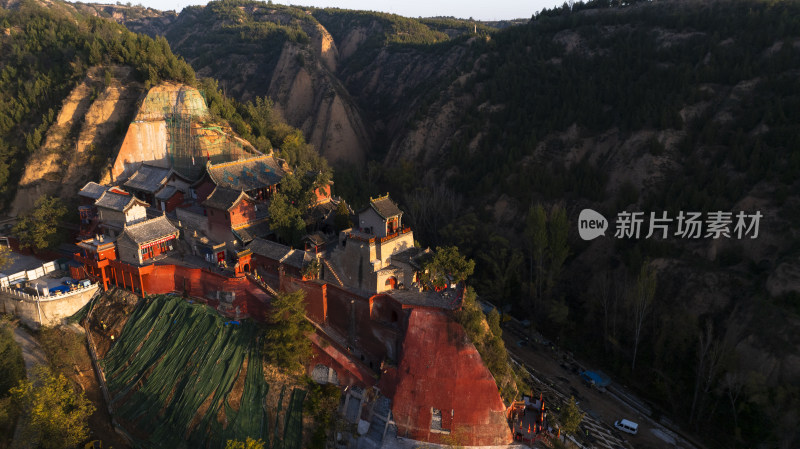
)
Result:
{"points": [[78, 316], [172, 369], [251, 409], [276, 439], [293, 428]]}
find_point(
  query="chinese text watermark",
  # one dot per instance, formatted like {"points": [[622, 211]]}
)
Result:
{"points": [[686, 225]]}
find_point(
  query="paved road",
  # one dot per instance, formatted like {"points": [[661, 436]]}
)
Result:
{"points": [[556, 377]]}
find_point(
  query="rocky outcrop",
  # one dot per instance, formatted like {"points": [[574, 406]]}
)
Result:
{"points": [[312, 99], [172, 129], [80, 144]]}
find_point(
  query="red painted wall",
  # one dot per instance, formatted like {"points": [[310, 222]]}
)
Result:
{"points": [[329, 353], [323, 193], [377, 337], [316, 302], [204, 189], [265, 265], [196, 282], [441, 369], [244, 212], [174, 201]]}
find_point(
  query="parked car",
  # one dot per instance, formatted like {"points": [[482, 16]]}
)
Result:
{"points": [[627, 426]]}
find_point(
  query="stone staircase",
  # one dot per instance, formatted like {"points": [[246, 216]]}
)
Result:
{"points": [[333, 272], [263, 285]]}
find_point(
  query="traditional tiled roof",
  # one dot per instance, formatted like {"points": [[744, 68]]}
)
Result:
{"points": [[224, 199], [149, 230], [117, 200], [316, 238], [384, 206], [297, 258], [92, 190], [415, 257], [148, 178], [248, 233], [282, 253], [246, 174], [269, 249], [323, 211], [166, 193]]}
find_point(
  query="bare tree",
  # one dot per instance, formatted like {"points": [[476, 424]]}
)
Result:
{"points": [[536, 236], [600, 288], [713, 354], [641, 300], [620, 289], [431, 207], [733, 382]]}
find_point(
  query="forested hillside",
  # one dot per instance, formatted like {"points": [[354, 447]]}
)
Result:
{"points": [[664, 107], [47, 52], [60, 60]]}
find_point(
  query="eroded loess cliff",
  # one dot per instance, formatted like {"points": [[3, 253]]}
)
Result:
{"points": [[82, 142], [280, 52]]}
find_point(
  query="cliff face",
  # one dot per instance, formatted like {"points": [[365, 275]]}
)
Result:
{"points": [[311, 99], [257, 50], [105, 131], [173, 128], [351, 94], [81, 144]]}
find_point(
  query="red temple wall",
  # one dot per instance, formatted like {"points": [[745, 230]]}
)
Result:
{"points": [[329, 353], [204, 189], [201, 283], [174, 201], [316, 304], [441, 369], [244, 212]]}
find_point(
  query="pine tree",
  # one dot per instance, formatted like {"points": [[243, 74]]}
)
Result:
{"points": [[286, 343]]}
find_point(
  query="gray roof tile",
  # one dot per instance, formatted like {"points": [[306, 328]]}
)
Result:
{"points": [[92, 190], [297, 258], [249, 233], [148, 178], [223, 199], [269, 249], [166, 193], [117, 200], [385, 207], [247, 174], [149, 230]]}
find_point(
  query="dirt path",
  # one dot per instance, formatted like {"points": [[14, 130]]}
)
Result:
{"points": [[32, 353], [82, 375], [33, 356]]}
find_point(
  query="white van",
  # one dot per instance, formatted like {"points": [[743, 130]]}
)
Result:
{"points": [[627, 426]]}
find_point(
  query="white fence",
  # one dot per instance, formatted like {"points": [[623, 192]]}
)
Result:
{"points": [[29, 275], [59, 295]]}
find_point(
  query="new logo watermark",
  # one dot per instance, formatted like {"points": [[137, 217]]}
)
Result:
{"points": [[688, 225], [591, 224]]}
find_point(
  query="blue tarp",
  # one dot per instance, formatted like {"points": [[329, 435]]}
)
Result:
{"points": [[598, 377]]}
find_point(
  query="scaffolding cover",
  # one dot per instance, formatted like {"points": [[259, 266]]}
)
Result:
{"points": [[172, 129]]}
